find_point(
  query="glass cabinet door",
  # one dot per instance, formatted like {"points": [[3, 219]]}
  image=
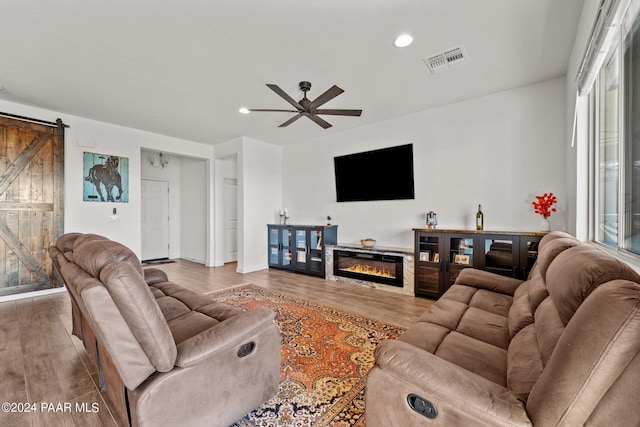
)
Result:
{"points": [[316, 264], [528, 254], [499, 255], [429, 265], [274, 246], [460, 255], [301, 246], [286, 247]]}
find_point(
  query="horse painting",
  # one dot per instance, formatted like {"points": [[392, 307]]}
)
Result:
{"points": [[106, 179]]}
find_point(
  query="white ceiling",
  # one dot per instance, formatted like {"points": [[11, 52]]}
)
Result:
{"points": [[184, 67]]}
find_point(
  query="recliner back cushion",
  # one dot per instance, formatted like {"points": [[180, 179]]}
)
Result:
{"points": [[93, 255], [591, 358], [577, 271], [141, 312], [551, 250], [65, 242], [86, 237]]}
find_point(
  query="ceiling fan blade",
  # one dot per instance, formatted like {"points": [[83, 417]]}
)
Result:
{"points": [[285, 96], [329, 94], [291, 120], [339, 112], [320, 121], [281, 111]]}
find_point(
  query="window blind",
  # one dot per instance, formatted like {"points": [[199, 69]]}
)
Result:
{"points": [[603, 33]]}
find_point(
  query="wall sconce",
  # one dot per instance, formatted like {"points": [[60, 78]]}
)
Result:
{"points": [[158, 162]]}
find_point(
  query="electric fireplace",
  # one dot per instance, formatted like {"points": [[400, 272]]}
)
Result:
{"points": [[379, 268]]}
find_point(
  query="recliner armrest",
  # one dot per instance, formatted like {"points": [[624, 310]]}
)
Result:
{"points": [[460, 396], [154, 275], [481, 279], [228, 333]]}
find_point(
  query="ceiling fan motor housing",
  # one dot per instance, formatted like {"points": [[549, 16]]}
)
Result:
{"points": [[304, 86]]}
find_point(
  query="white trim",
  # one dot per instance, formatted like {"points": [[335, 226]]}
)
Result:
{"points": [[33, 294], [610, 16]]}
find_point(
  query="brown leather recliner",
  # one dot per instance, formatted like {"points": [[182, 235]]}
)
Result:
{"points": [[560, 349], [166, 356]]}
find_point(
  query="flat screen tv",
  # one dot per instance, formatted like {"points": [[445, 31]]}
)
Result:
{"points": [[385, 174]]}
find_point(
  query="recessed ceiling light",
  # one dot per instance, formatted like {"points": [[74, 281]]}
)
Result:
{"points": [[244, 110], [403, 40]]}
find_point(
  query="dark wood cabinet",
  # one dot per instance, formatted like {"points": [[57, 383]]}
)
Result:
{"points": [[300, 248], [440, 255]]}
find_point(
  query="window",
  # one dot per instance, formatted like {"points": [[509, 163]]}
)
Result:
{"points": [[617, 139]]}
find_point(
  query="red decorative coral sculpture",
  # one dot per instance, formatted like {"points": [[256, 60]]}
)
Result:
{"points": [[543, 204]]}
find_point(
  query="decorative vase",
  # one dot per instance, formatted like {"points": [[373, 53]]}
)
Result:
{"points": [[545, 225]]}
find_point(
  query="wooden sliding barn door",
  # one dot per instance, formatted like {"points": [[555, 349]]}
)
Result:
{"points": [[31, 202]]}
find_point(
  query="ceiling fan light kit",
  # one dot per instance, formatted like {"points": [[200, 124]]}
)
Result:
{"points": [[308, 108]]}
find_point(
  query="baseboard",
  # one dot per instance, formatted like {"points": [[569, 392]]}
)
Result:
{"points": [[33, 294], [252, 268], [198, 260]]}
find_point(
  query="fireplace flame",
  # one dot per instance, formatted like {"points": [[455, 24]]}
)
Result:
{"points": [[372, 271]]}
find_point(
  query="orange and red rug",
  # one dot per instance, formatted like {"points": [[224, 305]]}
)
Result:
{"points": [[326, 354]]}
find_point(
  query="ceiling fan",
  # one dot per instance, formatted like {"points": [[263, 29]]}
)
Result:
{"points": [[308, 108]]}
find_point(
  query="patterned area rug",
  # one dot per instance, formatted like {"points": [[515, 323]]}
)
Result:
{"points": [[326, 354]]}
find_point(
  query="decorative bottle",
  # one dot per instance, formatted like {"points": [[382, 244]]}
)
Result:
{"points": [[479, 218]]}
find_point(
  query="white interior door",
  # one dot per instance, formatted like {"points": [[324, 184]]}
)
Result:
{"points": [[155, 219], [230, 194]]}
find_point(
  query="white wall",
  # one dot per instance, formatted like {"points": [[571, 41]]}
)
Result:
{"points": [[259, 175], [498, 150], [92, 217], [193, 207]]}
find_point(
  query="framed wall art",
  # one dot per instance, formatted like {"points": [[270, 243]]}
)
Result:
{"points": [[106, 178]]}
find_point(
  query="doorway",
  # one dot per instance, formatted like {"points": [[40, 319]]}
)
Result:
{"points": [[155, 219], [230, 196]]}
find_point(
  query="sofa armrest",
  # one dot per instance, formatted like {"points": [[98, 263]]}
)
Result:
{"points": [[226, 334], [481, 279], [154, 275], [460, 396]]}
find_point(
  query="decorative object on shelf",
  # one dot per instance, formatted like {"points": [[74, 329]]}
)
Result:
{"points": [[368, 243], [286, 215], [328, 220], [479, 218], [543, 205], [432, 219], [462, 259]]}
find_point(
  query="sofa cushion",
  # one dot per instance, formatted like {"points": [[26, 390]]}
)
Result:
{"points": [[520, 314], [591, 359], [524, 362], [93, 255], [549, 251], [476, 356], [578, 272], [139, 308], [190, 324], [65, 242], [485, 326], [83, 238]]}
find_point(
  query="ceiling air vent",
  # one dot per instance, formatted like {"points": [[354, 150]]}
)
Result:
{"points": [[447, 59]]}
